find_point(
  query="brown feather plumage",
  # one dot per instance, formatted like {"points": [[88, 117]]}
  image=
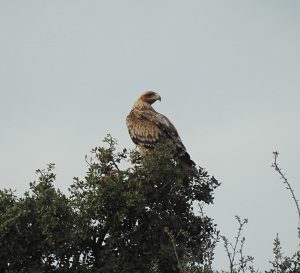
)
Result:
{"points": [[147, 128]]}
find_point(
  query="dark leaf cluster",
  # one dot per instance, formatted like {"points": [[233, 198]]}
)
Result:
{"points": [[129, 214]]}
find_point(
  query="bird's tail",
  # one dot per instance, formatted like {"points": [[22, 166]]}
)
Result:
{"points": [[186, 161]]}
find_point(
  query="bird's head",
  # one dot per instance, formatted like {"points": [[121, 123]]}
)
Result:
{"points": [[150, 97]]}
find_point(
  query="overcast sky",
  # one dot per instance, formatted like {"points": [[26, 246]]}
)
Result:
{"points": [[227, 72]]}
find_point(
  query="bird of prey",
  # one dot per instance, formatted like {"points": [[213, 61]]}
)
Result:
{"points": [[147, 128]]}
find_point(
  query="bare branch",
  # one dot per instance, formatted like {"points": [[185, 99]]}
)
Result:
{"points": [[285, 181]]}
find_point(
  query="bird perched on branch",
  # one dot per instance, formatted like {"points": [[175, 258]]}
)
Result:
{"points": [[147, 128]]}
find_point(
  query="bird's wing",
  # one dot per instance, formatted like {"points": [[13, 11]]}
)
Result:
{"points": [[148, 128]]}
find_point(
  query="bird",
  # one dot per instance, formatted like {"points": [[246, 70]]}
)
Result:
{"points": [[148, 128]]}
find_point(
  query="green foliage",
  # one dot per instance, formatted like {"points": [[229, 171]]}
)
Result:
{"points": [[284, 264], [134, 219], [34, 229]]}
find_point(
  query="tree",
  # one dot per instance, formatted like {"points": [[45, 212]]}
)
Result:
{"points": [[139, 218]]}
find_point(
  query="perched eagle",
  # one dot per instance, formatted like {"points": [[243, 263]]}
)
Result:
{"points": [[147, 128]]}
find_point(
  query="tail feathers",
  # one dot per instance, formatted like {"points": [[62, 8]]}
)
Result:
{"points": [[186, 161]]}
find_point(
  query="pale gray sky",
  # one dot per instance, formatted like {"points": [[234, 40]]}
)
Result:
{"points": [[227, 71]]}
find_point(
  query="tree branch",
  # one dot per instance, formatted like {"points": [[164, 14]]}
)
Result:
{"points": [[285, 181]]}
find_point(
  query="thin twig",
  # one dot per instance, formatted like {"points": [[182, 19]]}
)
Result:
{"points": [[115, 164], [285, 181], [227, 244], [173, 241]]}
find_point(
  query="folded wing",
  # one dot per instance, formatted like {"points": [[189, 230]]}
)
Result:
{"points": [[147, 128]]}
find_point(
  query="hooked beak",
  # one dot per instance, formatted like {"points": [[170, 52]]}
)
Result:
{"points": [[158, 97]]}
